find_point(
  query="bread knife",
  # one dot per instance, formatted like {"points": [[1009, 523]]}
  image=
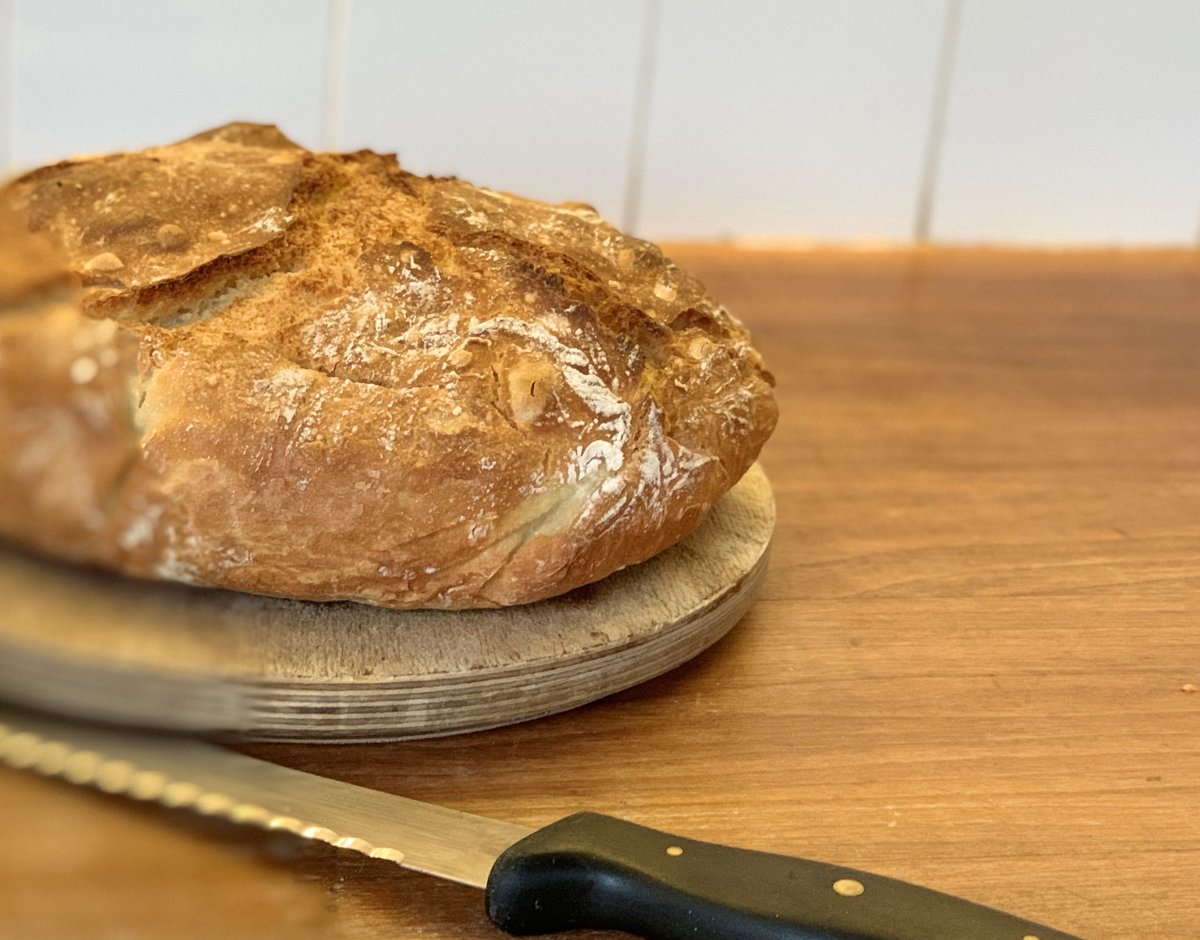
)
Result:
{"points": [[585, 871]]}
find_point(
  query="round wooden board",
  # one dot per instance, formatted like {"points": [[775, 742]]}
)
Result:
{"points": [[161, 655]]}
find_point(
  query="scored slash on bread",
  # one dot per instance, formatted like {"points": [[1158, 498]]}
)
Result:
{"points": [[319, 376]]}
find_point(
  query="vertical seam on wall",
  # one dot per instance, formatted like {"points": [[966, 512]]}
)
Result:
{"points": [[334, 84], [8, 81], [927, 192], [635, 167]]}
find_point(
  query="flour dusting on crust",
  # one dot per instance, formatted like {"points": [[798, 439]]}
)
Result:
{"points": [[319, 376]]}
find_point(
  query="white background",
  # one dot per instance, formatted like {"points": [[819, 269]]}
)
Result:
{"points": [[1065, 121]]}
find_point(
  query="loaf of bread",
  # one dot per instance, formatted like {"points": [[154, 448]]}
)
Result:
{"points": [[234, 362]]}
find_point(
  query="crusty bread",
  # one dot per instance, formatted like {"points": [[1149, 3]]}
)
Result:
{"points": [[318, 376]]}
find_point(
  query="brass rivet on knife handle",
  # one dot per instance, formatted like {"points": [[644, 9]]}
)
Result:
{"points": [[848, 887]]}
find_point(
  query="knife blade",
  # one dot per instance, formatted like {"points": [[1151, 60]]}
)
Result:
{"points": [[585, 871]]}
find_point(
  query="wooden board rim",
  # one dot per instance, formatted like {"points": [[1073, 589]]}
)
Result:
{"points": [[77, 675]]}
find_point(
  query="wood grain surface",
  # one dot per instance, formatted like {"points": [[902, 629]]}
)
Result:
{"points": [[969, 667]]}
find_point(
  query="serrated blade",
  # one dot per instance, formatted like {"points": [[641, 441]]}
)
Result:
{"points": [[184, 772]]}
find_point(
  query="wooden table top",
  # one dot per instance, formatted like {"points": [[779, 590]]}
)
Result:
{"points": [[972, 666]]}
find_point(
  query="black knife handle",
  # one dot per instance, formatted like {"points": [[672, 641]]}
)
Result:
{"points": [[594, 871]]}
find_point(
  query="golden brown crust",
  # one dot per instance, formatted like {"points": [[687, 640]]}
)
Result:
{"points": [[32, 269], [318, 376]]}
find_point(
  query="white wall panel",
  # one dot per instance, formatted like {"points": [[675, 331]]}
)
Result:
{"points": [[1070, 121], [123, 74], [790, 118], [530, 96], [7, 47], [1073, 121]]}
